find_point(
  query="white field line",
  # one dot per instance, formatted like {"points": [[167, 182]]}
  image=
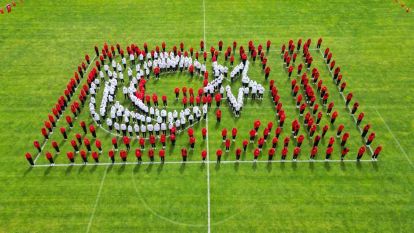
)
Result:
{"points": [[202, 162], [208, 161], [395, 139], [208, 178], [57, 120], [96, 201]]}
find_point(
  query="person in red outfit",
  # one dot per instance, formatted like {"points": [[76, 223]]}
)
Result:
{"points": [[238, 153], [371, 138], [227, 144], [224, 134], [219, 153], [151, 154], [234, 134], [29, 158], [245, 143], [344, 152], [70, 157], [138, 155], [361, 152], [162, 155], [296, 152], [314, 151], [329, 151], [203, 155], [218, 115], [184, 154], [284, 153], [50, 158], [377, 151]]}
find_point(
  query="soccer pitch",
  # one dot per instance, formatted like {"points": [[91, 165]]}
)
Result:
{"points": [[43, 43]]}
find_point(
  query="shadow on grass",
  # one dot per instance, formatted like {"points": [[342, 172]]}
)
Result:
{"points": [[160, 168], [121, 169], [29, 169], [68, 170], [182, 168], [236, 167], [149, 168]]}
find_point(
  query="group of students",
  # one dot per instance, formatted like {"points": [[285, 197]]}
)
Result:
{"points": [[309, 94], [158, 121]]}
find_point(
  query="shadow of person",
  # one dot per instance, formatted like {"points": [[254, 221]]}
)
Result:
{"points": [[202, 166], [375, 165], [29, 169], [47, 171], [182, 168], [282, 165], [312, 166], [327, 165], [121, 169], [236, 166], [269, 166], [160, 167], [254, 166], [149, 168], [294, 165], [93, 168], [68, 170], [217, 167], [137, 168], [343, 166]]}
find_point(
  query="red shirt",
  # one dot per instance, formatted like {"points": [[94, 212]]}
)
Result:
{"points": [[314, 151], [48, 155], [296, 151], [203, 154], [151, 153], [192, 140], [219, 153], [91, 128], [252, 133], [245, 142], [361, 150], [123, 154], [152, 139], [28, 155], [256, 152], [329, 150], [162, 153], [69, 155], [238, 151], [98, 144], [227, 143], [36, 144], [138, 153], [184, 152], [224, 132], [204, 131], [218, 113]]}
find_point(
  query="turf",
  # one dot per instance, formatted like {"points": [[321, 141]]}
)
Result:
{"points": [[43, 42]]}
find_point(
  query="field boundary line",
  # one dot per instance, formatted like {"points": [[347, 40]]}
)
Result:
{"points": [[207, 148]]}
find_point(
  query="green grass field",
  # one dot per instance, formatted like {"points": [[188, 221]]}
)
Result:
{"points": [[42, 44]]}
